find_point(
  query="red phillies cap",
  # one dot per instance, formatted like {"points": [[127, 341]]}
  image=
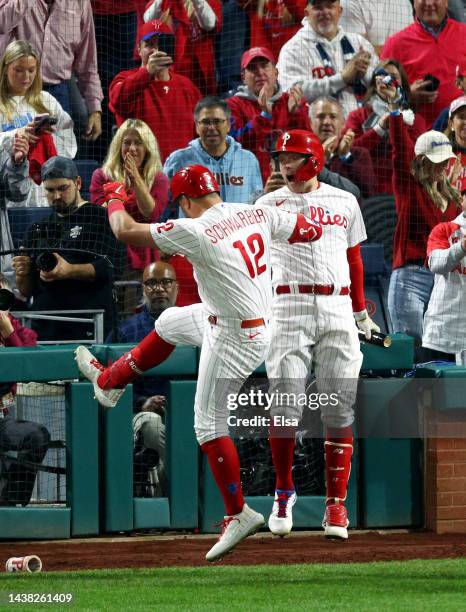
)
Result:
{"points": [[153, 28], [251, 54]]}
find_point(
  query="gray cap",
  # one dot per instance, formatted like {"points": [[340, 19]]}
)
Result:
{"points": [[59, 168]]}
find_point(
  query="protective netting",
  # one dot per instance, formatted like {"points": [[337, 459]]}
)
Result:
{"points": [[33, 447]]}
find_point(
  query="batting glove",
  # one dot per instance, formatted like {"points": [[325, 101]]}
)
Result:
{"points": [[115, 191], [365, 323]]}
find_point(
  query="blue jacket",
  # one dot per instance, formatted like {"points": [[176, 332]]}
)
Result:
{"points": [[237, 171]]}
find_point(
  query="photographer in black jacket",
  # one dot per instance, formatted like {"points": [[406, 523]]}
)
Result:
{"points": [[82, 256]]}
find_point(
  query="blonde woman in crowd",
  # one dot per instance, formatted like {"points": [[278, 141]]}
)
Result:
{"points": [[134, 158], [22, 99]]}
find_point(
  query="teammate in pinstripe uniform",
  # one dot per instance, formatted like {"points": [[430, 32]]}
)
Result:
{"points": [[229, 247], [313, 319]]}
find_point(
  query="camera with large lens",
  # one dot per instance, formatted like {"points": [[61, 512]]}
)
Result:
{"points": [[46, 261], [7, 299]]}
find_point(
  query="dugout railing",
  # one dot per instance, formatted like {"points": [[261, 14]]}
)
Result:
{"points": [[385, 482]]}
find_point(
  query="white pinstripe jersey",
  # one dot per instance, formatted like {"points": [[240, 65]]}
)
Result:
{"points": [[322, 262], [229, 247]]}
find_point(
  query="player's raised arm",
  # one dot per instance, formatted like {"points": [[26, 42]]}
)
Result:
{"points": [[125, 228]]}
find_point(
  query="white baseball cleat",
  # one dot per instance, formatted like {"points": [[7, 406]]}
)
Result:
{"points": [[92, 369], [336, 522], [281, 517], [234, 530]]}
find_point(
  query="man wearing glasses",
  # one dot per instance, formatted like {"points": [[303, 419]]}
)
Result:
{"points": [[235, 169], [83, 257], [160, 290]]}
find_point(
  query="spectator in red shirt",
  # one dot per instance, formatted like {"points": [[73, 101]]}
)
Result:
{"points": [[424, 196], [155, 93], [352, 162], [273, 22], [434, 44], [195, 23], [370, 122], [260, 110]]}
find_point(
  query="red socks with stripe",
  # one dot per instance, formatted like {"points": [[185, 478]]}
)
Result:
{"points": [[224, 463], [282, 456], [151, 351], [338, 452]]}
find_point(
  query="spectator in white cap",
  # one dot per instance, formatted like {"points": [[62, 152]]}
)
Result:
{"points": [[424, 196]]}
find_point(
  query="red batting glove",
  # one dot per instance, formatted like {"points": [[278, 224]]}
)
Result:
{"points": [[115, 191]]}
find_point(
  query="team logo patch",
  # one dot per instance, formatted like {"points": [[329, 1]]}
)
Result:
{"points": [[286, 138], [371, 307], [75, 231]]}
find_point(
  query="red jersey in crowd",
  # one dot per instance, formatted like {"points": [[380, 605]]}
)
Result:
{"points": [[421, 53], [417, 214], [378, 146], [256, 132], [194, 46], [273, 26], [166, 106]]}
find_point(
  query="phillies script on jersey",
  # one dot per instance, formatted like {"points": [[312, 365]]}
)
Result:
{"points": [[325, 217]]}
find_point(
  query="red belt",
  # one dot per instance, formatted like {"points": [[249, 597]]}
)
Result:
{"points": [[247, 324], [314, 289]]}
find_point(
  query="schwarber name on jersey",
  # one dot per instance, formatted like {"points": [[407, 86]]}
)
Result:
{"points": [[234, 240], [322, 262]]}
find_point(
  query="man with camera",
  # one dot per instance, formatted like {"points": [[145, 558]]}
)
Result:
{"points": [[71, 258], [324, 60], [429, 50]]}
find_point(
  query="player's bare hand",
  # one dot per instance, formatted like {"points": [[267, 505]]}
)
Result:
{"points": [[274, 182], [158, 62], [420, 95], [6, 327], [296, 95], [61, 271], [21, 264], [365, 323], [346, 143]]}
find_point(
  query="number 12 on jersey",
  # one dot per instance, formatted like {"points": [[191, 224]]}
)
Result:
{"points": [[254, 248]]}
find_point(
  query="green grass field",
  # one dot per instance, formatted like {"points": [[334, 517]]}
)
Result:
{"points": [[411, 585]]}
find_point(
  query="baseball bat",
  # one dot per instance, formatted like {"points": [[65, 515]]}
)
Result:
{"points": [[377, 339]]}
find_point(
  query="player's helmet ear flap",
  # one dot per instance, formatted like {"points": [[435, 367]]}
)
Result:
{"points": [[306, 143], [193, 181]]}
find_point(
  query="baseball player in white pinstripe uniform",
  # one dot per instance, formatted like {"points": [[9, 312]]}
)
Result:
{"points": [[313, 322], [229, 246]]}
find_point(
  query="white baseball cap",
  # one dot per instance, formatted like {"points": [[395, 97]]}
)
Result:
{"points": [[435, 146], [456, 104]]}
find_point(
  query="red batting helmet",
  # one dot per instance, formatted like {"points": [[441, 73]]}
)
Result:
{"points": [[193, 181], [306, 143]]}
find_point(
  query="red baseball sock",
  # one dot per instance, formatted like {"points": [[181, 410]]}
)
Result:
{"points": [[224, 463], [338, 452], [151, 351], [282, 456]]}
